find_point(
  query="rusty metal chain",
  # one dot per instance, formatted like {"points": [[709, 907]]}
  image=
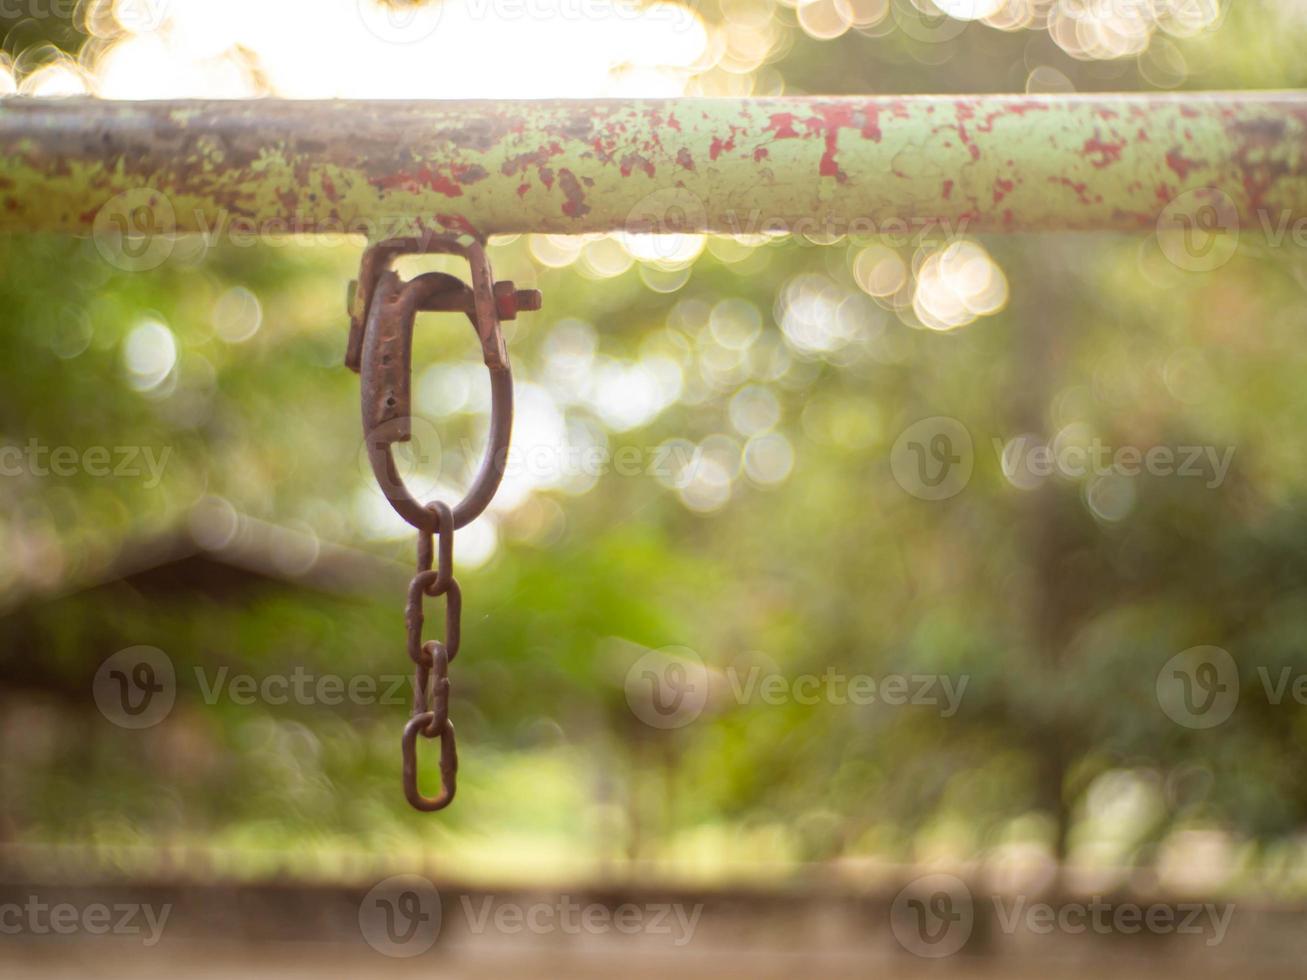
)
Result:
{"points": [[431, 663], [382, 311]]}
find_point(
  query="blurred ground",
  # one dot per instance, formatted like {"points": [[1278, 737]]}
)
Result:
{"points": [[295, 930], [333, 961]]}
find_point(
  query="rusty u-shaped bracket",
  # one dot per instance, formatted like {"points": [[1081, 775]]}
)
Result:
{"points": [[382, 310]]}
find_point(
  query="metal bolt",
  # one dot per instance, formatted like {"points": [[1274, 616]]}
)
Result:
{"points": [[510, 300]]}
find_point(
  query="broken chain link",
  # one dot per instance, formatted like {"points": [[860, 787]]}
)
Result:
{"points": [[382, 311]]}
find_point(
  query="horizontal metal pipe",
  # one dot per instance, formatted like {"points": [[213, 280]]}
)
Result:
{"points": [[821, 165]]}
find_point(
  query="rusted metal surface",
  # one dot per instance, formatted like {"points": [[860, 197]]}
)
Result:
{"points": [[432, 659], [826, 165], [383, 309], [380, 348]]}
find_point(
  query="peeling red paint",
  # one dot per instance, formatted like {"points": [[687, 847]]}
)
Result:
{"points": [[635, 161], [830, 119], [1080, 187], [827, 119], [1018, 109], [574, 206], [414, 182], [871, 123], [966, 112], [1180, 165], [719, 145], [409, 161], [1107, 153], [783, 124], [535, 158], [456, 222], [1258, 165]]}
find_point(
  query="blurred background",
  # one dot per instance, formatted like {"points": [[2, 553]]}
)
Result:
{"points": [[704, 494]]}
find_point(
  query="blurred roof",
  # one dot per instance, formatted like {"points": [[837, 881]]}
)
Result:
{"points": [[218, 551]]}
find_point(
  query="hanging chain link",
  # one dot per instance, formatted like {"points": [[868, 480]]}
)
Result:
{"points": [[431, 662], [382, 311]]}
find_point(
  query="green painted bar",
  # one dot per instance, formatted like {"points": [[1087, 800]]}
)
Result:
{"points": [[818, 165]]}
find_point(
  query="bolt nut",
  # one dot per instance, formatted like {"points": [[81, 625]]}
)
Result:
{"points": [[509, 300]]}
